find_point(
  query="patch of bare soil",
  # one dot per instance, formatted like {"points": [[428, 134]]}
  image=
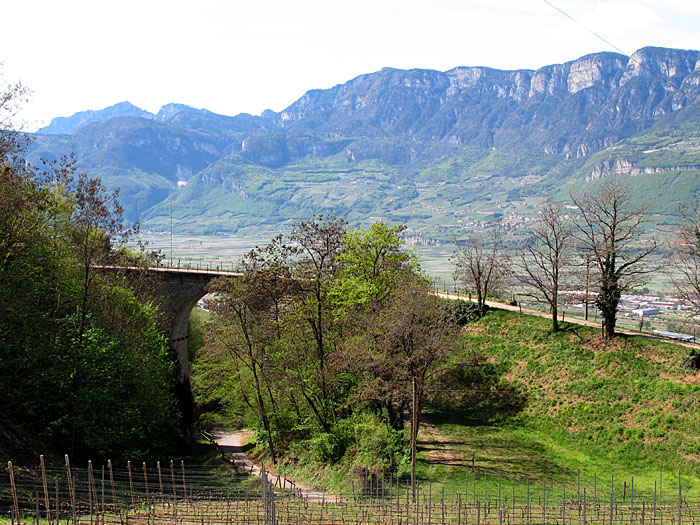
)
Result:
{"points": [[438, 449]]}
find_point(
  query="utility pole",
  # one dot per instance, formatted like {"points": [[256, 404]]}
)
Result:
{"points": [[414, 436], [171, 230], [588, 262]]}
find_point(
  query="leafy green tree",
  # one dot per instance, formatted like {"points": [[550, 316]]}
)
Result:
{"points": [[403, 341], [319, 243], [321, 338], [370, 266], [93, 377], [244, 329]]}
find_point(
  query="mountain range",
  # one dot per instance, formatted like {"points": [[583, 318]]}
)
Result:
{"points": [[437, 151]]}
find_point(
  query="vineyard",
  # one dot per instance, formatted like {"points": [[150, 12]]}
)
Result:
{"points": [[179, 495]]}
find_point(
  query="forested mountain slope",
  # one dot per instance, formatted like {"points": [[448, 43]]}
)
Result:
{"points": [[435, 150]]}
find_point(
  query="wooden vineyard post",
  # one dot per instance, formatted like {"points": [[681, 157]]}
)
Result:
{"points": [[90, 500], [102, 506], [595, 492], [172, 476], [58, 505], [459, 508], [486, 498], [680, 497], [398, 496], [160, 482], [46, 489], [430, 500], [544, 502], [474, 477], [563, 499], [632, 495], [414, 437], [131, 484], [578, 485], [111, 484], [442, 503], [184, 484], [91, 485], [71, 491], [145, 484], [499, 489], [527, 505], [612, 490], [15, 504]]}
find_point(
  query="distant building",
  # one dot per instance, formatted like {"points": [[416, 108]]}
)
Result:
{"points": [[664, 305], [642, 312]]}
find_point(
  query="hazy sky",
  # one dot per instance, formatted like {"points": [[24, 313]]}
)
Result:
{"points": [[245, 56]]}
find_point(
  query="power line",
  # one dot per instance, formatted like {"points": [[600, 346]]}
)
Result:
{"points": [[567, 15], [616, 48]]}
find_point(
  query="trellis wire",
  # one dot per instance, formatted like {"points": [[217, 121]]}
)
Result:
{"points": [[100, 495]]}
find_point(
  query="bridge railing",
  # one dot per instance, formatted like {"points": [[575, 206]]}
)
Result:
{"points": [[222, 265]]}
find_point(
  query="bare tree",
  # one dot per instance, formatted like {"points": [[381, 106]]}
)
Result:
{"points": [[481, 265], [686, 260], [540, 264], [12, 96], [609, 230]]}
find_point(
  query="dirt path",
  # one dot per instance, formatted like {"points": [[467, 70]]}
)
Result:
{"points": [[233, 445]]}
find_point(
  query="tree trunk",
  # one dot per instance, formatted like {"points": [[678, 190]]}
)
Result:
{"points": [[609, 320], [263, 414], [555, 321]]}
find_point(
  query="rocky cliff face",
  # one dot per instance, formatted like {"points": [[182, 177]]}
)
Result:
{"points": [[570, 108]]}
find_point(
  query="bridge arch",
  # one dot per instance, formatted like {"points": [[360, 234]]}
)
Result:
{"points": [[178, 291]]}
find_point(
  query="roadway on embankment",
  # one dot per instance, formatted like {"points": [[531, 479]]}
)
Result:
{"points": [[573, 320]]}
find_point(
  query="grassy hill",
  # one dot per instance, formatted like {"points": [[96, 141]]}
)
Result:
{"points": [[624, 408]]}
